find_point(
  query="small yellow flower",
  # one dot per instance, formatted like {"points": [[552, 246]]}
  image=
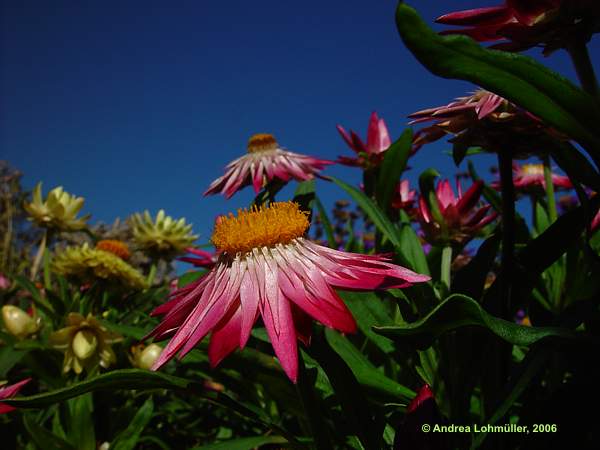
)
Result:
{"points": [[85, 342], [58, 211], [19, 323], [91, 264], [164, 235], [143, 356]]}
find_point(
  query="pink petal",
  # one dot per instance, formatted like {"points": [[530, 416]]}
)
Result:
{"points": [[479, 16], [225, 338]]}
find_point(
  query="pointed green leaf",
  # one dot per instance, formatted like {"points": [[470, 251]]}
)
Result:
{"points": [[247, 443], [390, 171], [129, 437]]}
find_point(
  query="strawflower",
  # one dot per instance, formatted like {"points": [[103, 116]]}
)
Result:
{"points": [[265, 162], [530, 177], [59, 210], [370, 154], [163, 236], [8, 391], [484, 119], [268, 268], [105, 262], [523, 24], [461, 218], [85, 342], [144, 356]]}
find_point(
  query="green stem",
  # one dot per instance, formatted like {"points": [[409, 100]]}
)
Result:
{"points": [[583, 66], [550, 189], [446, 265], [151, 275], [508, 231]]}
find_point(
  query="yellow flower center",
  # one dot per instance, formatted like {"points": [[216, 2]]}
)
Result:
{"points": [[115, 247], [84, 344], [261, 142], [532, 169], [279, 223]]}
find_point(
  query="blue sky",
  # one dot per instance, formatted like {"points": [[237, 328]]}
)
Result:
{"points": [[139, 105]]}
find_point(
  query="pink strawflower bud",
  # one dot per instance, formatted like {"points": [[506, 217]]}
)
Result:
{"points": [[370, 154], [9, 391]]}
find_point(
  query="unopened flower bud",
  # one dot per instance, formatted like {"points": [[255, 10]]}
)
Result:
{"points": [[145, 358], [18, 322]]}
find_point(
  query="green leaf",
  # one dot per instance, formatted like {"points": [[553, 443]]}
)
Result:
{"points": [[470, 280], [189, 277], [129, 437], [369, 311], [9, 357], [459, 311], [411, 251], [43, 438], [35, 294], [126, 330], [81, 425], [390, 171], [117, 379], [575, 165], [384, 225], [326, 223], [305, 195], [515, 77], [363, 369], [247, 443]]}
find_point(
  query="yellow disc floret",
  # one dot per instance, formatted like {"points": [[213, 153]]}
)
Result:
{"points": [[279, 223], [261, 142], [115, 247], [532, 169]]}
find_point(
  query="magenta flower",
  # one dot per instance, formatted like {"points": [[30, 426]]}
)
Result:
{"points": [[265, 162], [483, 119], [369, 154], [201, 258], [267, 268], [530, 177], [460, 219], [404, 197], [523, 24], [10, 391]]}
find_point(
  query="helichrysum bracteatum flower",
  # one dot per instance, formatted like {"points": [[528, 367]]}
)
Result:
{"points": [[105, 262], [144, 356], [163, 235], [85, 342], [10, 390], [484, 119], [265, 161], [18, 323], [530, 178], [371, 153], [266, 267], [523, 24], [59, 210], [460, 218]]}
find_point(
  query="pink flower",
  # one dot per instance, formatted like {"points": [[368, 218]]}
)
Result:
{"points": [[460, 219], [267, 268], [531, 177], [522, 24], [4, 282], [265, 162], [483, 119], [369, 154], [202, 258], [10, 391], [404, 197]]}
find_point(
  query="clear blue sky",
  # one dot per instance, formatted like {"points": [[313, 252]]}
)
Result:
{"points": [[139, 105]]}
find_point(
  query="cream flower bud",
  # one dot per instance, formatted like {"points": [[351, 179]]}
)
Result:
{"points": [[145, 358], [84, 344], [18, 322]]}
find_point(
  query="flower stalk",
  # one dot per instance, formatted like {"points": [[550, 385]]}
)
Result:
{"points": [[553, 215], [583, 67], [445, 266]]}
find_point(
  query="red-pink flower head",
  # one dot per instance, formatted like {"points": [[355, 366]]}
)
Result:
{"points": [[523, 24], [530, 178], [404, 197], [265, 162], [370, 154], [483, 119], [8, 391], [459, 218], [267, 268]]}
